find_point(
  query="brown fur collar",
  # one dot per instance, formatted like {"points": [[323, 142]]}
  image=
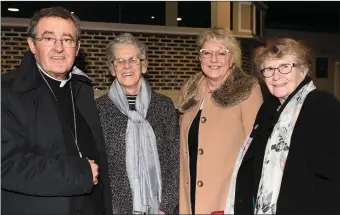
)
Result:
{"points": [[233, 91]]}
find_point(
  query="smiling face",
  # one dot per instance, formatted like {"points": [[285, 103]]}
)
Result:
{"points": [[282, 85], [128, 75], [56, 60], [215, 68]]}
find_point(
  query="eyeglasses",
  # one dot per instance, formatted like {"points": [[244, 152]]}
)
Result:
{"points": [[50, 41], [121, 62], [221, 54], [283, 69]]}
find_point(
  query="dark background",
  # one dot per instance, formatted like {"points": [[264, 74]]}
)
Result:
{"points": [[304, 16]]}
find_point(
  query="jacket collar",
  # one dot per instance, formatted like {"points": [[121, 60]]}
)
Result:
{"points": [[234, 90], [27, 76], [267, 117]]}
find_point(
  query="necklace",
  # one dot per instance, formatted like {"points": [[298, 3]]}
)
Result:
{"points": [[75, 136]]}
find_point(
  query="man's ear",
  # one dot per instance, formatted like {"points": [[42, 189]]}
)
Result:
{"points": [[31, 45], [78, 48]]}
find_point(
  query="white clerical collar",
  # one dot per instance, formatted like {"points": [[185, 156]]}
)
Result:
{"points": [[62, 82]]}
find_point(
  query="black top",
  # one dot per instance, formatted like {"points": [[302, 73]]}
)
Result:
{"points": [[193, 147], [85, 140], [132, 101]]}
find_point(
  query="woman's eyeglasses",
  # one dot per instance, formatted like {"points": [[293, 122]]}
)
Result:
{"points": [[207, 54], [121, 62], [283, 69]]}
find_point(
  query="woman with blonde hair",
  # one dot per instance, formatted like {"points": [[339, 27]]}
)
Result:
{"points": [[218, 107], [290, 163]]}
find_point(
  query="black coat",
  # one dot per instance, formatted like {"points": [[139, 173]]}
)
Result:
{"points": [[38, 174], [311, 178]]}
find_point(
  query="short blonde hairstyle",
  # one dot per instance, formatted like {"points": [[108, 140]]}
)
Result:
{"points": [[281, 48], [224, 36]]}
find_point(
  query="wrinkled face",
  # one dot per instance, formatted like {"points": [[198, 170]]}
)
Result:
{"points": [[55, 59], [282, 85], [217, 66], [128, 73]]}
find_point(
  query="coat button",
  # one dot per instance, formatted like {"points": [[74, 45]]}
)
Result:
{"points": [[200, 183], [200, 151], [79, 211], [203, 119]]}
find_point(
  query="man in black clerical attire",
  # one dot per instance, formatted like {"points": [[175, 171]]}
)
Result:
{"points": [[53, 158]]}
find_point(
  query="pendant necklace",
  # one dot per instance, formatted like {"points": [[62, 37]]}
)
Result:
{"points": [[75, 137]]}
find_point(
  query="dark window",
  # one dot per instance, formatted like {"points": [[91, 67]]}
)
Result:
{"points": [[258, 22], [194, 14], [100, 11], [321, 16], [321, 67], [85, 10], [143, 12]]}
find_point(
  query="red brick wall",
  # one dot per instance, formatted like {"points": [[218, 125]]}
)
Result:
{"points": [[172, 55]]}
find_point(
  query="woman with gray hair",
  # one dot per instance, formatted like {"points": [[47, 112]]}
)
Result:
{"points": [[141, 134], [290, 162]]}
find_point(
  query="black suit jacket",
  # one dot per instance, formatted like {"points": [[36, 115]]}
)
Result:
{"points": [[311, 178]]}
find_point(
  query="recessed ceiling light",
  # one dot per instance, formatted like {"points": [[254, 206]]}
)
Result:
{"points": [[152, 17], [179, 19], [72, 12], [13, 9]]}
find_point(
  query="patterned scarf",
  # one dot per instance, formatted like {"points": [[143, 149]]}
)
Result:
{"points": [[142, 161], [276, 153]]}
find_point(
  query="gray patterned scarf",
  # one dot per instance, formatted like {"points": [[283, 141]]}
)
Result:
{"points": [[142, 162], [275, 157]]}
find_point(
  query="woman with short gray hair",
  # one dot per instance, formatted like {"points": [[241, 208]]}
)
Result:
{"points": [[141, 134]]}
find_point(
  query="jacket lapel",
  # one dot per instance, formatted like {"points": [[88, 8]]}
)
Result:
{"points": [[84, 98]]}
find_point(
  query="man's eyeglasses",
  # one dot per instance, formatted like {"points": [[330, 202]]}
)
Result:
{"points": [[283, 69], [50, 41], [121, 62], [221, 54]]}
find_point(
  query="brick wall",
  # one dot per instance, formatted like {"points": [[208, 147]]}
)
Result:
{"points": [[172, 54]]}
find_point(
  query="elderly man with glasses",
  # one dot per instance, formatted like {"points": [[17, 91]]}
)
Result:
{"points": [[53, 158]]}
